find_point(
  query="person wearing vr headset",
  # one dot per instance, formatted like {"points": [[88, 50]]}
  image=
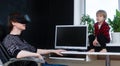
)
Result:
{"points": [[16, 46]]}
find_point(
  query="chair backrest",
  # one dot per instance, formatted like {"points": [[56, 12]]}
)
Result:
{"points": [[4, 56]]}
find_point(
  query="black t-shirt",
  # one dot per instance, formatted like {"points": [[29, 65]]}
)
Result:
{"points": [[14, 44]]}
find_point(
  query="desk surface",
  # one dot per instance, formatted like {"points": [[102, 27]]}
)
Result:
{"points": [[90, 53], [113, 44]]}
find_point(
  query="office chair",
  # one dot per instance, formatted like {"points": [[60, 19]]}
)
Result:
{"points": [[8, 61]]}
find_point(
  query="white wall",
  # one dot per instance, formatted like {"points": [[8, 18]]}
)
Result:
{"points": [[79, 10], [119, 4]]}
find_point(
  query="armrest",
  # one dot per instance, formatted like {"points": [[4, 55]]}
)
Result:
{"points": [[28, 59], [12, 60]]}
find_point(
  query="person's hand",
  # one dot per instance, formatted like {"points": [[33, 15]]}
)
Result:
{"points": [[58, 52], [39, 56], [95, 42]]}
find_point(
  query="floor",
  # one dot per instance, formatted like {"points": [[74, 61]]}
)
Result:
{"points": [[84, 63]]}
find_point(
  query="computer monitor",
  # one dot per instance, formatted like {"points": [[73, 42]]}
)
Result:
{"points": [[71, 37]]}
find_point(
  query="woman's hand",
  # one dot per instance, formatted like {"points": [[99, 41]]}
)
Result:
{"points": [[95, 42], [39, 56], [58, 52]]}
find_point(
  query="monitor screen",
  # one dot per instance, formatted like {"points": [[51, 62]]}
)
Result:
{"points": [[71, 37]]}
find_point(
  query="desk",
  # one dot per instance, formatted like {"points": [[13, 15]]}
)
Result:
{"points": [[107, 54]]}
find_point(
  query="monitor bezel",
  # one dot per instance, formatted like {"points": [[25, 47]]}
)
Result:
{"points": [[72, 47]]}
